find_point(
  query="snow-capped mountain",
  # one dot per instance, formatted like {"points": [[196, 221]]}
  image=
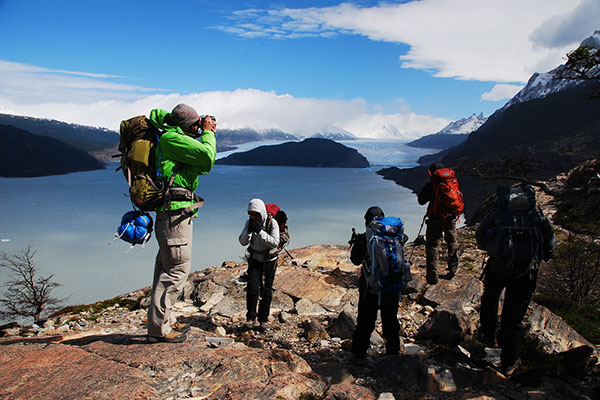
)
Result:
{"points": [[464, 125], [334, 133], [576, 71], [453, 134]]}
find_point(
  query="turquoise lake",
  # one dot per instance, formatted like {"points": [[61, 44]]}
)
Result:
{"points": [[70, 220]]}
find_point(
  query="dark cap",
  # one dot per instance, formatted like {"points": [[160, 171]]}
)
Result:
{"points": [[184, 116], [435, 166], [373, 212]]}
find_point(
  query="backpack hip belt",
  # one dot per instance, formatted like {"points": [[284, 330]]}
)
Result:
{"points": [[181, 194]]}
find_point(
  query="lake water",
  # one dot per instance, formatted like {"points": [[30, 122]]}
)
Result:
{"points": [[70, 220]]}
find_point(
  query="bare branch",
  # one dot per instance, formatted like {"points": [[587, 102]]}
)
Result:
{"points": [[26, 295]]}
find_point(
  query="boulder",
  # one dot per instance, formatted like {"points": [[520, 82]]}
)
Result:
{"points": [[342, 326], [551, 334], [447, 325]]}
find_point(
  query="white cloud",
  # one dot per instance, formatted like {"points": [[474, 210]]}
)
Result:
{"points": [[573, 26], [501, 91], [25, 83], [83, 99], [463, 39]]}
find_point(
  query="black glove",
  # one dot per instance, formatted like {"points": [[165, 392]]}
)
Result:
{"points": [[254, 225]]}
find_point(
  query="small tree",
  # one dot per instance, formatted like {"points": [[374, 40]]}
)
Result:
{"points": [[25, 294], [582, 63], [574, 274]]}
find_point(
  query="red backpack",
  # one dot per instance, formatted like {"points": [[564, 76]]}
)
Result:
{"points": [[276, 213], [273, 209], [447, 198]]}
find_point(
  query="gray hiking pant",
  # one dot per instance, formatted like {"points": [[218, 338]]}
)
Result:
{"points": [[171, 269], [438, 228]]}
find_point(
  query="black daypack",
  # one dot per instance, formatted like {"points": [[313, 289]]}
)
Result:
{"points": [[516, 239]]}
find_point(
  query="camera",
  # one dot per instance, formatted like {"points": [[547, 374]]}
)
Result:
{"points": [[203, 119], [353, 237]]}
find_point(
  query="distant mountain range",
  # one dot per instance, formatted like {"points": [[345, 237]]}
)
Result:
{"points": [[228, 138], [23, 154], [334, 133], [312, 152], [544, 131], [100, 142], [452, 134]]}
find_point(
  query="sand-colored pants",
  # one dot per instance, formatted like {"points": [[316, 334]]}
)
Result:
{"points": [[171, 269]]}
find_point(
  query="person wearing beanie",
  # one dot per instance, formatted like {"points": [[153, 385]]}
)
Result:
{"points": [[369, 303], [439, 225], [187, 149]]}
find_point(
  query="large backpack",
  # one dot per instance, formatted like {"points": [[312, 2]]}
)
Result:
{"points": [[386, 266], [276, 213], [516, 239], [447, 197], [139, 139], [138, 144]]}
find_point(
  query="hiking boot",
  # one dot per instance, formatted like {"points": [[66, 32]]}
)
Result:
{"points": [[487, 340], [172, 337], [360, 360], [180, 327], [260, 326], [431, 275], [249, 324], [510, 370]]}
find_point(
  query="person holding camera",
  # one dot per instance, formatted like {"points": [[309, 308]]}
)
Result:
{"points": [[261, 235], [188, 149]]}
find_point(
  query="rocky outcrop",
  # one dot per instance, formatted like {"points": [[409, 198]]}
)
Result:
{"points": [[304, 352]]}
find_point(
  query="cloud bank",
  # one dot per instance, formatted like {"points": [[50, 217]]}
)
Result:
{"points": [[38, 92], [498, 41], [502, 42], [501, 91]]}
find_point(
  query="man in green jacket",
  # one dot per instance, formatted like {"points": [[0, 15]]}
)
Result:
{"points": [[187, 149]]}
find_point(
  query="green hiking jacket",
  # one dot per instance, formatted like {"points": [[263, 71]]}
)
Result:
{"points": [[175, 147]]}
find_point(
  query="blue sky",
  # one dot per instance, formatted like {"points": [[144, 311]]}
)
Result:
{"points": [[394, 69]]}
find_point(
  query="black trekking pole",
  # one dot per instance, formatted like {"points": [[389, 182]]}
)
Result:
{"points": [[417, 238], [288, 253], [483, 268]]}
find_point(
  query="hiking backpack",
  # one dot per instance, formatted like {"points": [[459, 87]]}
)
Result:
{"points": [[447, 197], [386, 268], [516, 238], [276, 213], [138, 143]]}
